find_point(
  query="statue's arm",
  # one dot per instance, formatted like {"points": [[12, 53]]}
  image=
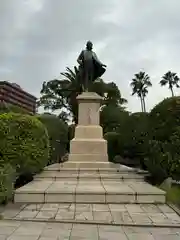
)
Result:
{"points": [[80, 58]]}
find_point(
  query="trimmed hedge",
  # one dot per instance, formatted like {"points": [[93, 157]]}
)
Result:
{"points": [[7, 178], [24, 143]]}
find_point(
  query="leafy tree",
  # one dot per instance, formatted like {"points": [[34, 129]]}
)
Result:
{"points": [[62, 93], [164, 118], [140, 85], [58, 135], [133, 135], [112, 117], [64, 116], [172, 80], [113, 97]]}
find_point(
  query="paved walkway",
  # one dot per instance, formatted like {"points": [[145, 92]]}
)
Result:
{"points": [[16, 230], [122, 214], [103, 222]]}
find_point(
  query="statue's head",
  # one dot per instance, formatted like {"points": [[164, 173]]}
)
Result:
{"points": [[89, 45]]}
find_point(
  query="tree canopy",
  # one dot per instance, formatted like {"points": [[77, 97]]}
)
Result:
{"points": [[61, 93]]}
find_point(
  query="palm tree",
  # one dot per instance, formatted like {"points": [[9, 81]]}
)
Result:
{"points": [[170, 79], [140, 85]]}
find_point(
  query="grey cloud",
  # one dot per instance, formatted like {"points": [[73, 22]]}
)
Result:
{"points": [[39, 38]]}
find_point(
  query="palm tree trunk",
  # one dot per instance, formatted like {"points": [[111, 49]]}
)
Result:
{"points": [[144, 104], [142, 107], [172, 92]]}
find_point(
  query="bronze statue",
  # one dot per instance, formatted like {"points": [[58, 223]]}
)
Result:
{"points": [[90, 67]]}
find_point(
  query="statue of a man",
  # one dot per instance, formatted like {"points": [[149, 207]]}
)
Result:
{"points": [[90, 67]]}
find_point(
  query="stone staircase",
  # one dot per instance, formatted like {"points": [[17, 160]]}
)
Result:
{"points": [[89, 182]]}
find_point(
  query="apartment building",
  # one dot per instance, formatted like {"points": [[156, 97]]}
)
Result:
{"points": [[13, 94]]}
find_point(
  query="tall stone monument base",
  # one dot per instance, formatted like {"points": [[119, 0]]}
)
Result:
{"points": [[88, 143]]}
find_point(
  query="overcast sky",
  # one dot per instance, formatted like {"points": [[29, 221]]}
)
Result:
{"points": [[39, 38]]}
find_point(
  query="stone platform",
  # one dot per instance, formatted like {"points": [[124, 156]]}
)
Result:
{"points": [[89, 183], [85, 200]]}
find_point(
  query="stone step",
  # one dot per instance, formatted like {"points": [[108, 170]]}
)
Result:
{"points": [[85, 191], [91, 175], [90, 166], [159, 215]]}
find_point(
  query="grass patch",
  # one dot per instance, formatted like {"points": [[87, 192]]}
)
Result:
{"points": [[173, 194]]}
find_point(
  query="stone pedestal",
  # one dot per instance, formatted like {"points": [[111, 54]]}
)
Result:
{"points": [[88, 143]]}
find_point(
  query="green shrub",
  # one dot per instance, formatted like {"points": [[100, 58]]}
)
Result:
{"points": [[7, 179], [156, 161], [133, 134], [163, 155], [58, 135], [173, 149], [113, 143], [23, 142], [112, 117], [164, 118], [163, 158]]}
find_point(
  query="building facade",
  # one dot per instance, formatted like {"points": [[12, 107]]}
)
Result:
{"points": [[12, 93]]}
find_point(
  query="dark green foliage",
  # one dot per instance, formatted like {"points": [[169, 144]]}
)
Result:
{"points": [[58, 135], [156, 161], [163, 154], [71, 132], [163, 158], [130, 136], [7, 179], [164, 118], [23, 143], [133, 135], [112, 117], [113, 144]]}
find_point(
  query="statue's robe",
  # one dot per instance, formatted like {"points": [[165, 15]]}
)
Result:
{"points": [[91, 67]]}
